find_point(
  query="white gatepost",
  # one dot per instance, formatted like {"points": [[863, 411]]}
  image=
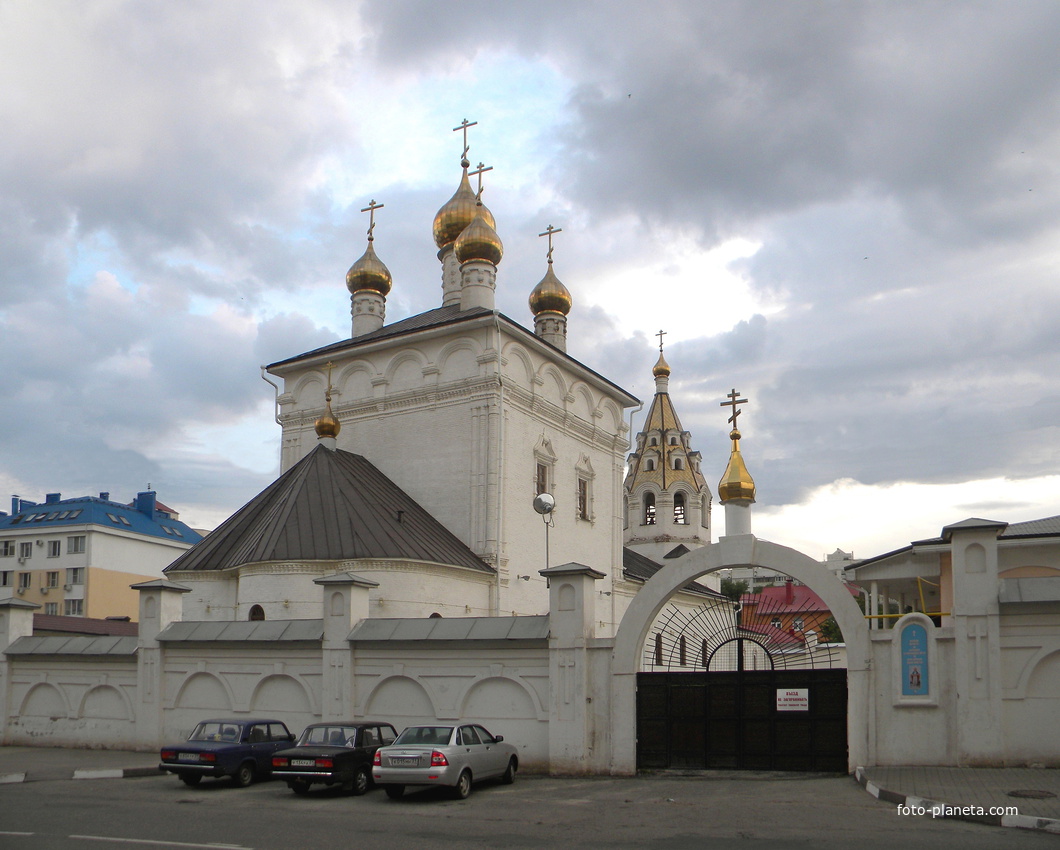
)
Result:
{"points": [[572, 627], [977, 641], [345, 605], [16, 621], [160, 605]]}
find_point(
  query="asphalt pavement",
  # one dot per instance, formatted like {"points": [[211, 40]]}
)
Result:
{"points": [[1025, 798]]}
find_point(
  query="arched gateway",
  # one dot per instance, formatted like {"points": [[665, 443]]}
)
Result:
{"points": [[733, 552]]}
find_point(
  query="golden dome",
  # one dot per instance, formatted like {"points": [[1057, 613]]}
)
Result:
{"points": [[479, 241], [550, 295], [453, 218], [736, 483], [369, 273], [661, 369], [327, 425]]}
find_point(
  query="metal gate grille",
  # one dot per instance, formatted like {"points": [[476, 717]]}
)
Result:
{"points": [[730, 720]]}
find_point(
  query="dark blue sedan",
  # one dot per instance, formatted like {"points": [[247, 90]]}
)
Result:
{"points": [[238, 748]]}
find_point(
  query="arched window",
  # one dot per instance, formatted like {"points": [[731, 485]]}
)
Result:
{"points": [[682, 651], [679, 463], [673, 441], [653, 442], [256, 613], [435, 616], [649, 509], [679, 508], [649, 465]]}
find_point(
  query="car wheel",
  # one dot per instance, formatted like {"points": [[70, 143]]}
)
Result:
{"points": [[394, 792], [462, 789], [191, 779], [509, 774], [360, 782], [299, 786], [245, 775]]}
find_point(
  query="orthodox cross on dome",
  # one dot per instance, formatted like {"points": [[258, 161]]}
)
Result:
{"points": [[549, 232], [479, 171], [370, 209], [734, 399], [329, 365], [463, 126], [661, 334]]}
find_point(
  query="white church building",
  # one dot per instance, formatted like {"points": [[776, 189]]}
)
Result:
{"points": [[397, 569]]}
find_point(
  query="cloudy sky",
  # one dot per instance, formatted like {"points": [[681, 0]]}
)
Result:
{"points": [[848, 211]]}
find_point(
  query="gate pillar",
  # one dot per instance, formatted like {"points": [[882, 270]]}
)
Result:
{"points": [[572, 627]]}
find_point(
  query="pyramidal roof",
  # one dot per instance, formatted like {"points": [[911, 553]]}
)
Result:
{"points": [[330, 506], [662, 424]]}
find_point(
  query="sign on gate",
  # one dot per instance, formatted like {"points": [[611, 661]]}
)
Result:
{"points": [[793, 699]]}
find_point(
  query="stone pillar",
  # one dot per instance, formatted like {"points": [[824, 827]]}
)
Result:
{"points": [[450, 277], [160, 605], [977, 642], [552, 327], [478, 285], [572, 626], [345, 605], [367, 311], [16, 621]]}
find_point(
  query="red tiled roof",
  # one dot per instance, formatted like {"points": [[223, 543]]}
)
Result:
{"points": [[45, 623], [775, 600]]}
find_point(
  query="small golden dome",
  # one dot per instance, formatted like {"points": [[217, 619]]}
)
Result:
{"points": [[453, 218], [479, 241], [550, 295], [369, 273], [736, 483], [661, 369], [327, 425]]}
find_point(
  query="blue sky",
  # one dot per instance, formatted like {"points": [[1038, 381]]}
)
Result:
{"points": [[848, 211]]}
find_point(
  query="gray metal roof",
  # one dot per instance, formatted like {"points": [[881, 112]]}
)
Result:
{"points": [[641, 568], [439, 317], [461, 628], [110, 645], [1046, 527], [330, 506], [266, 631]]}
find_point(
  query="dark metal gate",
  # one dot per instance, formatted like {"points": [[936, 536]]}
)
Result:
{"points": [[743, 719]]}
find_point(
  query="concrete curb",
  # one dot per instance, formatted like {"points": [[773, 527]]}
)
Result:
{"points": [[85, 773], [1051, 825]]}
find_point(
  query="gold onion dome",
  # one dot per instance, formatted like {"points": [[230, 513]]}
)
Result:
{"points": [[736, 483], [661, 369], [369, 273], [479, 241], [327, 425], [453, 218], [550, 295]]}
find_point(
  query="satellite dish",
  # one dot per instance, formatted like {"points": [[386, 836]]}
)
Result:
{"points": [[544, 503]]}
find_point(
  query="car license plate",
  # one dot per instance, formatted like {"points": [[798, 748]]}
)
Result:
{"points": [[400, 762], [302, 762], [188, 757]]}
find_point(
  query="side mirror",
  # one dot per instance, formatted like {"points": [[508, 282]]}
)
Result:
{"points": [[290, 737], [498, 738]]}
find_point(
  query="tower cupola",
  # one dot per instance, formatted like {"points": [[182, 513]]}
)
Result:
{"points": [[550, 302], [369, 282]]}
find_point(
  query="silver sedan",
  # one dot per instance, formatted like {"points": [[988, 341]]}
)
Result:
{"points": [[454, 756]]}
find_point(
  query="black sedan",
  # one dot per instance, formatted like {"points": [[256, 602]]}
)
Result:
{"points": [[239, 748], [338, 753]]}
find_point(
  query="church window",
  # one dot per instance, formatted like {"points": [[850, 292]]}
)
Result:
{"points": [[541, 479], [681, 650], [658, 648], [680, 517], [649, 465], [673, 441], [679, 463], [256, 613], [649, 509], [653, 442], [583, 498]]}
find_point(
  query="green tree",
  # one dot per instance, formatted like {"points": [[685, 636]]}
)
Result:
{"points": [[734, 588]]}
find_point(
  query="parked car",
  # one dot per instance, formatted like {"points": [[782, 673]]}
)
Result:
{"points": [[455, 756], [333, 753], [238, 748]]}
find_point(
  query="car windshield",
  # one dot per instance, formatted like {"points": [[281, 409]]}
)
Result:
{"points": [[426, 735], [214, 730], [332, 736]]}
